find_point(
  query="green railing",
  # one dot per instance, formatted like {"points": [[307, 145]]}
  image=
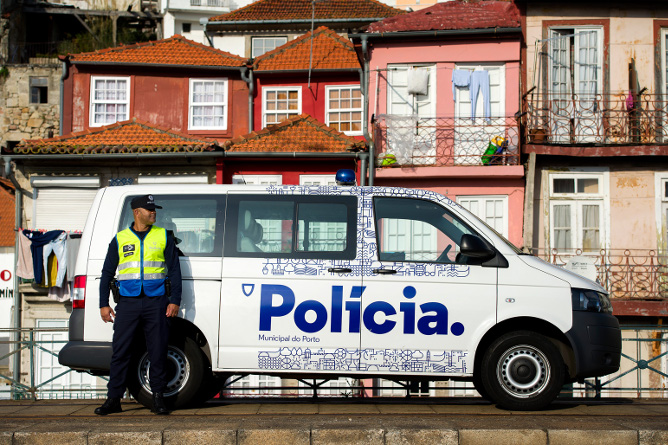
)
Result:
{"points": [[643, 373]]}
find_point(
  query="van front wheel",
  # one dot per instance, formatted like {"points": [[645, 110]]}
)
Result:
{"points": [[523, 371], [187, 369]]}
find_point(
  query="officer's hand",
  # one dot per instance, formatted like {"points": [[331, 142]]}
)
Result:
{"points": [[107, 314], [172, 310]]}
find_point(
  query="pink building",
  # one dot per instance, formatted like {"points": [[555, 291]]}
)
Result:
{"points": [[442, 89]]}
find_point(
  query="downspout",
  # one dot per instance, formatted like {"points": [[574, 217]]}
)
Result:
{"points": [[247, 76], [365, 124], [18, 198], [61, 106]]}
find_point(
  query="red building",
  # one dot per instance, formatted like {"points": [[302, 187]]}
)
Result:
{"points": [[173, 83], [317, 75]]}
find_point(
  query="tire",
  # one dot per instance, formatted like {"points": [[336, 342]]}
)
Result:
{"points": [[478, 385], [188, 375], [523, 371]]}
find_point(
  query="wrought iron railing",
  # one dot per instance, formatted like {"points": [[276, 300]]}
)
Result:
{"points": [[602, 119], [416, 141], [643, 373], [625, 273]]}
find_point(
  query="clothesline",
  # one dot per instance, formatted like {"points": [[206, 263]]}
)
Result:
{"points": [[21, 229], [466, 66]]}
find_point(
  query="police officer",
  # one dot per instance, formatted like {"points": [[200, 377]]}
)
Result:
{"points": [[145, 256]]}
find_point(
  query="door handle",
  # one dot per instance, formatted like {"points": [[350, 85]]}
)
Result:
{"points": [[339, 270], [384, 271]]}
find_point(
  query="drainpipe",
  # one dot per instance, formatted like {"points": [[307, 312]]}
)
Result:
{"points": [[247, 76], [61, 106], [365, 111], [18, 197]]}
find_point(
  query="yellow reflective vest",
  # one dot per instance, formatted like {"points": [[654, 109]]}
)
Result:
{"points": [[141, 263]]}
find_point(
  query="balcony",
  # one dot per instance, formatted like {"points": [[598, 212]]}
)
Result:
{"points": [[626, 274], [412, 141], [595, 120]]}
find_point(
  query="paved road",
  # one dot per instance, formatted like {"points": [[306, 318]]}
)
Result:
{"points": [[456, 421]]}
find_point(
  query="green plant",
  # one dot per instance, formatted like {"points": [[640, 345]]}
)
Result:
{"points": [[4, 72]]}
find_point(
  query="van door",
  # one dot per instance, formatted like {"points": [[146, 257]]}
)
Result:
{"points": [[290, 260], [425, 306]]}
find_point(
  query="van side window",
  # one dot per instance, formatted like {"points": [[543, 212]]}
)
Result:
{"points": [[318, 227], [195, 220], [416, 230]]}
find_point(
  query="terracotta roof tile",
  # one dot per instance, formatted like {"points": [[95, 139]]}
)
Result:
{"points": [[176, 50], [330, 52], [298, 134], [453, 15], [7, 234], [130, 136], [275, 10]]}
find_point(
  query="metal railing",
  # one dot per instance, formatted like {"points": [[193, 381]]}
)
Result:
{"points": [[643, 373], [601, 119], [416, 141], [44, 378], [625, 273]]}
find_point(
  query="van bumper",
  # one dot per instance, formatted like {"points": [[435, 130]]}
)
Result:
{"points": [[93, 356], [597, 344]]}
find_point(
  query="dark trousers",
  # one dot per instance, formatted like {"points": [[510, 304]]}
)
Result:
{"points": [[133, 313]]}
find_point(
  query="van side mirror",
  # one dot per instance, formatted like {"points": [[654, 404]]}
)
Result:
{"points": [[474, 247]]}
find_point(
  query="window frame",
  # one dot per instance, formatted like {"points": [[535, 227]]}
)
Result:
{"points": [[232, 220], [192, 104], [40, 89], [577, 201], [93, 101], [501, 67], [290, 113], [484, 199], [264, 38], [328, 110]]}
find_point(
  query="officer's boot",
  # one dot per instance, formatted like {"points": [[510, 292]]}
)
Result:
{"points": [[110, 406], [159, 406]]}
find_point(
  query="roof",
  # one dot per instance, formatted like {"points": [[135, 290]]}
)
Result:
{"points": [[301, 133], [330, 52], [130, 136], [7, 209], [453, 15], [278, 10], [176, 50]]}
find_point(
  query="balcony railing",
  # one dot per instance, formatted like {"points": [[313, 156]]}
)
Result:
{"points": [[416, 141], [610, 119], [626, 274]]}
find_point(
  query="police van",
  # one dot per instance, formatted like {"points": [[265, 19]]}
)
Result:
{"points": [[364, 282]]}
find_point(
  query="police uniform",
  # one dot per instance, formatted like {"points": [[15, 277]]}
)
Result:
{"points": [[144, 261]]}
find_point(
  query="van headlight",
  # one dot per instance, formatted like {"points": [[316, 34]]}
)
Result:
{"points": [[590, 301]]}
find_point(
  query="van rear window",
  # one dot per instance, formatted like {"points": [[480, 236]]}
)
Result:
{"points": [[319, 227], [195, 220]]}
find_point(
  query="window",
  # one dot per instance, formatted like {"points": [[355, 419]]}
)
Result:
{"points": [[208, 104], [55, 193], [39, 90], [195, 221], [344, 109], [417, 231], [574, 79], [491, 209], [292, 227], [257, 179], [280, 104], [261, 45], [317, 180], [411, 124], [186, 27], [661, 204], [110, 100], [576, 211]]}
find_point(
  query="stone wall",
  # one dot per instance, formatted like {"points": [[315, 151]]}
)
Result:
{"points": [[19, 119]]}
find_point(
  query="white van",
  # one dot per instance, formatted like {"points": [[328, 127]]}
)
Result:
{"points": [[325, 282]]}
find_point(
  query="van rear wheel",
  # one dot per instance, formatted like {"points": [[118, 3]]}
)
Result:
{"points": [[188, 375], [523, 371]]}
